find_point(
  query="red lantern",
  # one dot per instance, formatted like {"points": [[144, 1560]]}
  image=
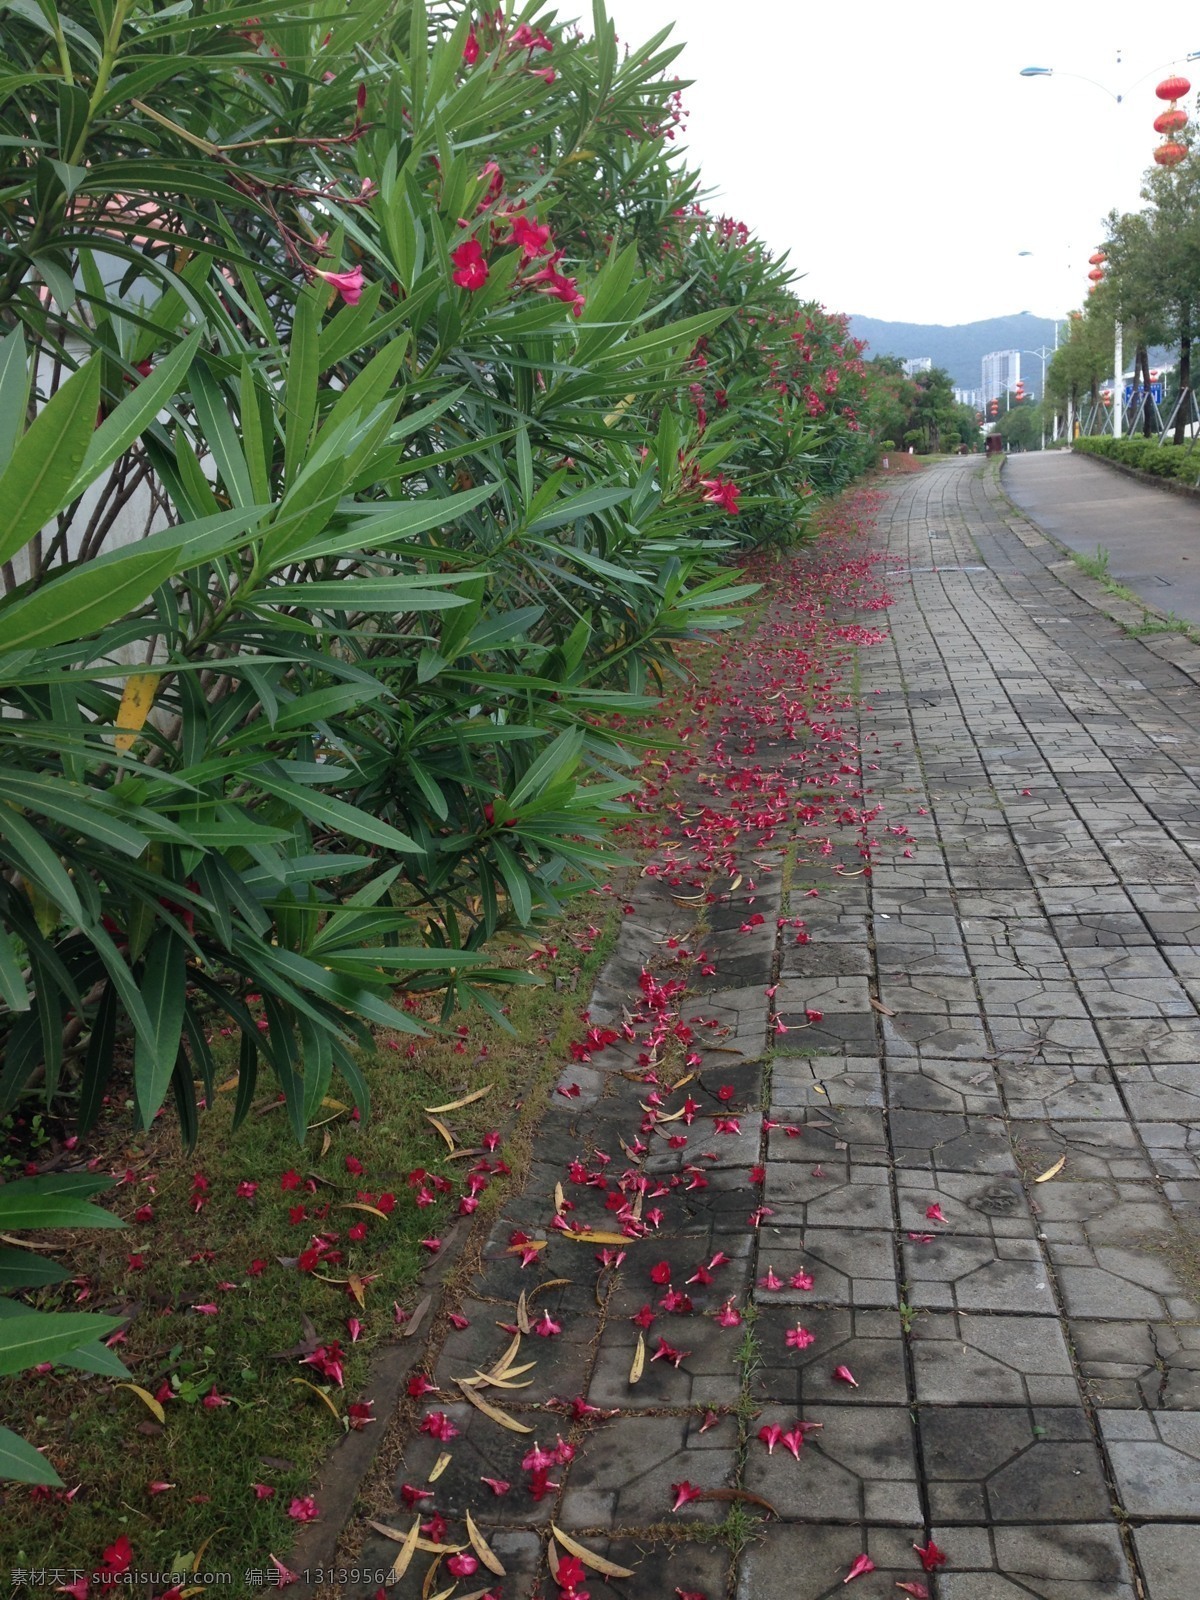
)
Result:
{"points": [[1173, 88], [1096, 275], [1097, 258], [1106, 396], [1170, 154], [1170, 121]]}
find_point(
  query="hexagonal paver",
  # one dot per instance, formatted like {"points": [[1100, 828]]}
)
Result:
{"points": [[970, 1202], [848, 1266], [998, 1360], [860, 1463], [835, 1195], [944, 1142], [974, 1273], [622, 1473], [707, 1375], [480, 1449], [1040, 1089], [1063, 1562], [1139, 1364], [868, 1343], [826, 1082], [1167, 1554], [810, 1561], [1012, 1464], [1099, 1149], [923, 1083], [1155, 1458]]}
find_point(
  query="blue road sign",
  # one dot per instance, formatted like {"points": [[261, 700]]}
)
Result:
{"points": [[1156, 393]]}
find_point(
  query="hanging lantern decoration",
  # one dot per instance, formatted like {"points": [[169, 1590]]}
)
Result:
{"points": [[1096, 275], [1173, 88], [1097, 258], [1171, 121]]}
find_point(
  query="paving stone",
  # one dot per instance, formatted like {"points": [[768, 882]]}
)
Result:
{"points": [[971, 1203], [1012, 1464], [923, 1083], [1059, 1041], [481, 1449], [964, 1273], [562, 1360], [520, 1553], [708, 1375], [868, 1342], [810, 1560], [915, 1034], [1064, 1562], [1038, 1089], [842, 1196], [711, 1147], [848, 1266], [1139, 1363], [861, 1463], [943, 1142], [1100, 1149], [853, 1131], [1028, 998], [1155, 1459], [660, 1567], [1152, 1039], [633, 1286], [826, 1083], [1174, 1148], [622, 1474], [1167, 1553], [997, 1360]]}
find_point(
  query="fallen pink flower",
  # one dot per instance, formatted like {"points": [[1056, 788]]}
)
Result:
{"points": [[922, 1238], [461, 1565], [917, 1590], [769, 1280], [930, 1556], [498, 1486], [934, 1213], [770, 1433], [684, 1492], [158, 1487], [799, 1338], [801, 1280], [729, 1316], [861, 1567], [283, 1575], [793, 1439], [304, 1509], [844, 1375]]}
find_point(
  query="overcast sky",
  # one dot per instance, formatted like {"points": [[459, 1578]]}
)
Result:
{"points": [[894, 151]]}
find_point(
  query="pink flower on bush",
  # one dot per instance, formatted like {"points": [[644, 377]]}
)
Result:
{"points": [[348, 284], [470, 269], [721, 492]]}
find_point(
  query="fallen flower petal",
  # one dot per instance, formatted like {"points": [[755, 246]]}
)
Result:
{"points": [[770, 1433], [844, 1375], [799, 1338], [684, 1492], [931, 1556], [793, 1439], [861, 1567], [304, 1509], [934, 1213], [917, 1590]]}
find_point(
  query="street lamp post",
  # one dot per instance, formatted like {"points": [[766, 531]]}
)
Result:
{"points": [[1042, 354]]}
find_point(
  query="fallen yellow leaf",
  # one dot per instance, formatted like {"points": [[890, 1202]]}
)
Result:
{"points": [[1051, 1172], [146, 1398], [609, 1569], [457, 1105]]}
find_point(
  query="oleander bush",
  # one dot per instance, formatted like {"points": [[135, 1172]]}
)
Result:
{"points": [[378, 411]]}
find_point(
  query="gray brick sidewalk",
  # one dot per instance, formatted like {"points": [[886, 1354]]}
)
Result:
{"points": [[981, 1197]]}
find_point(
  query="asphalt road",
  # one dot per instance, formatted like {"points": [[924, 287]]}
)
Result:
{"points": [[1152, 536]]}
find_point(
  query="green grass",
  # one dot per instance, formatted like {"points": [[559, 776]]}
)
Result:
{"points": [[105, 1439], [1094, 566]]}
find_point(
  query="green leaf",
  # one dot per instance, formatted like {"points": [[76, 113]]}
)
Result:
{"points": [[36, 1336], [59, 1200], [34, 484], [15, 373], [22, 1269], [396, 595], [21, 1463], [73, 806], [13, 989], [134, 414], [327, 812], [164, 990]]}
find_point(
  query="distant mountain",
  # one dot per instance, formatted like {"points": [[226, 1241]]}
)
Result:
{"points": [[961, 349]]}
